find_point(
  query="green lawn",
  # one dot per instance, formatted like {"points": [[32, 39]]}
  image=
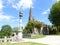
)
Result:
{"points": [[38, 36], [58, 33], [24, 43]]}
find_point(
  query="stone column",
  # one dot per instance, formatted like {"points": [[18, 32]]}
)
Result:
{"points": [[20, 29]]}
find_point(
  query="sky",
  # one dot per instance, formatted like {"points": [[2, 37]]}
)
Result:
{"points": [[9, 11]]}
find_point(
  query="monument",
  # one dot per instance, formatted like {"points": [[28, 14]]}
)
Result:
{"points": [[20, 29]]}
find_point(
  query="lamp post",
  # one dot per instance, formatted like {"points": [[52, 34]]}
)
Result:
{"points": [[20, 29]]}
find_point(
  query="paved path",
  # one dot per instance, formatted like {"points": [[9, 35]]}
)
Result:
{"points": [[50, 40]]}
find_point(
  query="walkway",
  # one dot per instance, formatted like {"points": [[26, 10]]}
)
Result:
{"points": [[50, 40]]}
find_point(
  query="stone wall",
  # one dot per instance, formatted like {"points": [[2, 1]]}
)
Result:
{"points": [[11, 39]]}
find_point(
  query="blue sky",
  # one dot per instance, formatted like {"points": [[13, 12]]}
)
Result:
{"points": [[9, 11]]}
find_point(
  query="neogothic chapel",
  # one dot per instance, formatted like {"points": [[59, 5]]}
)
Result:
{"points": [[43, 30]]}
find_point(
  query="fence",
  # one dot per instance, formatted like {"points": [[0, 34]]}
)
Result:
{"points": [[29, 35]]}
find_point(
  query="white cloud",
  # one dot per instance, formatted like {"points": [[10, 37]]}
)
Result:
{"points": [[58, 0], [1, 5], [5, 17], [46, 11], [10, 1], [2, 15], [15, 20], [55, 0], [23, 4]]}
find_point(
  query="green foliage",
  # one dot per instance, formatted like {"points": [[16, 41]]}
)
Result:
{"points": [[58, 33], [38, 25], [15, 29], [38, 36], [6, 31], [28, 28], [25, 31], [52, 29], [54, 15], [1, 34], [30, 25], [59, 28]]}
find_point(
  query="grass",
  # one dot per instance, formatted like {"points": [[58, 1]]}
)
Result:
{"points": [[58, 33], [22, 43], [38, 36]]}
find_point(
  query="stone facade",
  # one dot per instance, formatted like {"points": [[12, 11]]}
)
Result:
{"points": [[44, 30], [35, 31]]}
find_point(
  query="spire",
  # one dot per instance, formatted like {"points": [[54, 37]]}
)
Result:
{"points": [[30, 14]]}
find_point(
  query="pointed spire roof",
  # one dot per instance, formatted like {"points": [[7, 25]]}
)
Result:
{"points": [[30, 15]]}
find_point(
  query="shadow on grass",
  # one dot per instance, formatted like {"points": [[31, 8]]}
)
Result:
{"points": [[38, 36]]}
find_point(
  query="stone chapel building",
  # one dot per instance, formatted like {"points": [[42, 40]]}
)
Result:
{"points": [[44, 29]]}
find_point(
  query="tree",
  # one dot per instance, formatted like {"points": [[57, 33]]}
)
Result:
{"points": [[6, 30], [15, 29], [1, 34], [54, 15], [38, 24], [28, 28], [30, 25]]}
